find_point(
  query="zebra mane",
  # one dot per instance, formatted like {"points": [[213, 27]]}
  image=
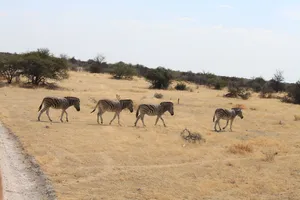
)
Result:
{"points": [[125, 102], [72, 99], [236, 109], [166, 103]]}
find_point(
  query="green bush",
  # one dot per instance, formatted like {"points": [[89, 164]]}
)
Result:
{"points": [[123, 71], [10, 67], [181, 86], [160, 78], [41, 65]]}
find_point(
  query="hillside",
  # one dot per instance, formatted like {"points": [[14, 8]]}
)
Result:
{"points": [[85, 160]]}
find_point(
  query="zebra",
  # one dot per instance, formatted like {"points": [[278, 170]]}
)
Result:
{"points": [[113, 106], [154, 110], [228, 115], [59, 103]]}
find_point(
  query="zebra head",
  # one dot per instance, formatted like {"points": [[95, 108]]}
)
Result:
{"points": [[74, 101], [238, 112], [127, 103], [168, 106]]}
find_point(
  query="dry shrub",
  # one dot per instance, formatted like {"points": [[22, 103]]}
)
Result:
{"points": [[192, 137], [240, 148], [297, 117], [269, 156], [158, 95]]}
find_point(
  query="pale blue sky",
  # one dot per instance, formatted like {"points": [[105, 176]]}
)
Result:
{"points": [[232, 37]]}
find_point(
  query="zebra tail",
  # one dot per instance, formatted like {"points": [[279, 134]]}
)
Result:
{"points": [[137, 112], [41, 105], [96, 107], [214, 117]]}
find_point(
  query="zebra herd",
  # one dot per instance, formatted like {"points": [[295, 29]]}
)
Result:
{"points": [[116, 106]]}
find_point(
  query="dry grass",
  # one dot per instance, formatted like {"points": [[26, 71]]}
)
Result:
{"points": [[297, 117], [269, 156], [240, 148], [85, 160]]}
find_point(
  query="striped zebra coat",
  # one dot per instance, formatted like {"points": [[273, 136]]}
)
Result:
{"points": [[106, 105], [58, 103], [154, 110], [228, 115]]}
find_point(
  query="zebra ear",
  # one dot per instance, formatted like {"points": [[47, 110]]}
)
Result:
{"points": [[118, 97]]}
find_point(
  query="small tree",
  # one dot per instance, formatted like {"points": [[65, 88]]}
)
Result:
{"points": [[123, 71], [276, 81], [96, 64], [160, 78], [40, 65], [10, 67]]}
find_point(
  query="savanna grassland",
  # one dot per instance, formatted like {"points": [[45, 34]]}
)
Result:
{"points": [[84, 160]]}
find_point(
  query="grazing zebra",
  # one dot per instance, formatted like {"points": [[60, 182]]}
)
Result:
{"points": [[154, 110], [113, 106], [59, 103], [226, 115]]}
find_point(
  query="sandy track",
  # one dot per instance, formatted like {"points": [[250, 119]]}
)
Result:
{"points": [[21, 176]]}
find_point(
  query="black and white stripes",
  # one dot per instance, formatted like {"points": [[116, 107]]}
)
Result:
{"points": [[228, 115], [106, 105], [58, 103], [154, 110]]}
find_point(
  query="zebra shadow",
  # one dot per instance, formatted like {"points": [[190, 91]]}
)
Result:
{"points": [[114, 125], [45, 121]]}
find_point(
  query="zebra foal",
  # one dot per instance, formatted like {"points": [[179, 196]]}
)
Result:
{"points": [[228, 115], [58, 103], [106, 105], [154, 110]]}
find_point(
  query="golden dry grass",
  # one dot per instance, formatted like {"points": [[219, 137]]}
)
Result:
{"points": [[85, 160], [240, 148]]}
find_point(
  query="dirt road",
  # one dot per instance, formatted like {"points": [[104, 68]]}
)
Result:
{"points": [[21, 176]]}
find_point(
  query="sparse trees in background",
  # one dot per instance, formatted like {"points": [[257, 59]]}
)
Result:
{"points": [[160, 78], [123, 71], [96, 65], [276, 81], [266, 90], [10, 67], [41, 65], [293, 93], [256, 84]]}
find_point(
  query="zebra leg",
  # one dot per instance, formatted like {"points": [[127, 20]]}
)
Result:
{"points": [[216, 125], [43, 110], [226, 124], [119, 119], [137, 119], [113, 118], [143, 120], [47, 112], [99, 115], [157, 119], [67, 118], [163, 121], [61, 116], [231, 125], [219, 125]]}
